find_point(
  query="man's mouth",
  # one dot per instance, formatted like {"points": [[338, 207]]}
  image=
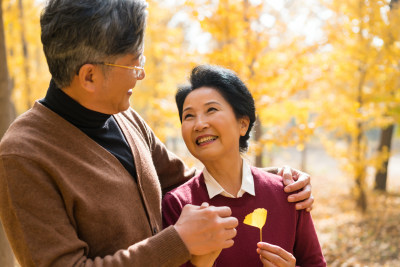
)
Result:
{"points": [[205, 140]]}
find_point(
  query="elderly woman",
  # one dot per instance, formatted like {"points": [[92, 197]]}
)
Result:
{"points": [[217, 113]]}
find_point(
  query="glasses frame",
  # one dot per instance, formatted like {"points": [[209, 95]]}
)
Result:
{"points": [[138, 71]]}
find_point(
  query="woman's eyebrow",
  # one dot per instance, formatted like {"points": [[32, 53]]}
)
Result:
{"points": [[185, 109], [206, 104], [212, 102]]}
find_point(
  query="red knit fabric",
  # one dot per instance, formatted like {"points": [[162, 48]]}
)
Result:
{"points": [[286, 227]]}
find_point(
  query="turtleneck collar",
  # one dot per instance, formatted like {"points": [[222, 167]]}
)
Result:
{"points": [[72, 111]]}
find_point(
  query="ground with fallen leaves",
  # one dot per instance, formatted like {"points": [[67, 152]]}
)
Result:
{"points": [[347, 236], [350, 238]]}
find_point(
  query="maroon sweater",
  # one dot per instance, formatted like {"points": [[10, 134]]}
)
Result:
{"points": [[285, 227]]}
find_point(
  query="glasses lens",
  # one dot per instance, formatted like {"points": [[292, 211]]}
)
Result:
{"points": [[142, 61], [138, 73]]}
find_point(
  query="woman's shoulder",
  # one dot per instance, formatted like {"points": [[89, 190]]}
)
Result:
{"points": [[192, 187], [266, 178]]}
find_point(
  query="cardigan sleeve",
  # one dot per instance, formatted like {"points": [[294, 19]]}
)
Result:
{"points": [[171, 170], [41, 234], [307, 248]]}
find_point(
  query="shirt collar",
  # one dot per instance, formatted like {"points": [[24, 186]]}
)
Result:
{"points": [[214, 188]]}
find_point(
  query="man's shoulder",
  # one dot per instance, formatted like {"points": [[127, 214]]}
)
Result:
{"points": [[19, 132], [31, 130]]}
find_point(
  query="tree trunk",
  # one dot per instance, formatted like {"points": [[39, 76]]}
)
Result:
{"points": [[361, 196], [360, 151], [25, 54], [6, 255], [384, 142], [5, 103]]}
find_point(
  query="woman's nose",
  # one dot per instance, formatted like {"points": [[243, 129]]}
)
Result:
{"points": [[200, 124]]}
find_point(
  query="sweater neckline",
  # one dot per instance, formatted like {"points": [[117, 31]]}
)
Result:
{"points": [[62, 104]]}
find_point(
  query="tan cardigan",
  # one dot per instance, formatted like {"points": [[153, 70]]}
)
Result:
{"points": [[66, 201]]}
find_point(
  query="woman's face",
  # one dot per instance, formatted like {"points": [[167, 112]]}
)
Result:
{"points": [[210, 128]]}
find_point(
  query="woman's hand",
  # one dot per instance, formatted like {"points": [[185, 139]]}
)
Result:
{"points": [[272, 256], [205, 260]]}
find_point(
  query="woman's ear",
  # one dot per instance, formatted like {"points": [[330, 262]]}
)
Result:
{"points": [[244, 125]]}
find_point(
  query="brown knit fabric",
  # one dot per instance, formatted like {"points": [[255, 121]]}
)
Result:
{"points": [[66, 201]]}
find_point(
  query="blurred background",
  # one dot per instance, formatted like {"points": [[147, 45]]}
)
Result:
{"points": [[325, 75]]}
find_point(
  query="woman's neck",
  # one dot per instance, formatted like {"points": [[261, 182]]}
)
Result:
{"points": [[227, 172]]}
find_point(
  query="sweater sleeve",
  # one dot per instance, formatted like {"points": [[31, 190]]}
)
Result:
{"points": [[171, 209], [307, 249], [41, 234]]}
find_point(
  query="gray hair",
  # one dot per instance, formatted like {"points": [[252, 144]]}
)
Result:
{"points": [[75, 33]]}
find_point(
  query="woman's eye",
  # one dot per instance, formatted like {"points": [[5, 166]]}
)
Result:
{"points": [[211, 109], [187, 116]]}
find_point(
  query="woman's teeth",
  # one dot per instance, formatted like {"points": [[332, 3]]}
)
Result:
{"points": [[206, 139]]}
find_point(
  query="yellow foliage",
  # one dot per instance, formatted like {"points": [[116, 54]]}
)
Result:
{"points": [[166, 67], [27, 67]]}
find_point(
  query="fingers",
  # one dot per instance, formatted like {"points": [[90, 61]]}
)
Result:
{"points": [[204, 205], [222, 211], [272, 255], [230, 233], [306, 204], [300, 196], [206, 228], [303, 180], [287, 175]]}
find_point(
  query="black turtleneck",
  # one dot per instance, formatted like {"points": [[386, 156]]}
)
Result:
{"points": [[102, 128]]}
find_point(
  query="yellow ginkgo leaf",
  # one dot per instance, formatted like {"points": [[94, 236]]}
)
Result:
{"points": [[257, 219]]}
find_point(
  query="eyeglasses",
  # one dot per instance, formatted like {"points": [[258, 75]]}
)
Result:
{"points": [[138, 71]]}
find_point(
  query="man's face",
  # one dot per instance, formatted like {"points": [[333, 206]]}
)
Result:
{"points": [[116, 85]]}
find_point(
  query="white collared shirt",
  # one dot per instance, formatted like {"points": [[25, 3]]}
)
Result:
{"points": [[214, 188]]}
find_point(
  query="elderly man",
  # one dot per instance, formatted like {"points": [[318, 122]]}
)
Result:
{"points": [[81, 174]]}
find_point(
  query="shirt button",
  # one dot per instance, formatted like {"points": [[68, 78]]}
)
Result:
{"points": [[154, 230]]}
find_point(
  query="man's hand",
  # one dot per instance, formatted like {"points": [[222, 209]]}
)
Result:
{"points": [[272, 256], [205, 260], [206, 229], [295, 180]]}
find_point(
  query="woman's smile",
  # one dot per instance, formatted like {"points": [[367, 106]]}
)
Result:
{"points": [[205, 140]]}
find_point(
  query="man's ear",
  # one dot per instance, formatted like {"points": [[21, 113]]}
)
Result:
{"points": [[244, 123], [87, 77]]}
